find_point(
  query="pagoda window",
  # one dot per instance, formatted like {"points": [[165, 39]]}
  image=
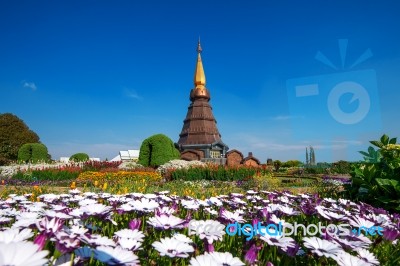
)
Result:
{"points": [[215, 154]]}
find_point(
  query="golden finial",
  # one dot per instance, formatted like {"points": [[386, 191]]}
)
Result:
{"points": [[199, 46], [199, 76]]}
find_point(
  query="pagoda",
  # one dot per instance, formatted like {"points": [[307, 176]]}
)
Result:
{"points": [[200, 138]]}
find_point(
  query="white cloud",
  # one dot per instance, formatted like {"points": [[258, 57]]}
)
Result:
{"points": [[29, 85], [133, 94]]}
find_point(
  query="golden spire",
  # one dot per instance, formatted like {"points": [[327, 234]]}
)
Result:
{"points": [[199, 76]]}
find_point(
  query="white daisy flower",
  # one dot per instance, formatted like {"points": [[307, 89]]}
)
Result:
{"points": [[50, 227], [209, 229], [182, 238], [359, 222], [87, 202], [322, 247], [214, 201], [232, 216], [15, 235], [128, 233], [190, 204], [345, 259], [204, 260], [96, 209], [226, 259], [99, 240], [57, 214], [288, 210], [211, 211], [165, 221], [115, 256], [173, 248], [126, 207], [165, 210], [367, 256], [129, 243], [22, 253], [145, 205]]}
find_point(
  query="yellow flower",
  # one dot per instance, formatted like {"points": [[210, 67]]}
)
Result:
{"points": [[392, 147], [105, 186], [96, 183], [73, 185]]}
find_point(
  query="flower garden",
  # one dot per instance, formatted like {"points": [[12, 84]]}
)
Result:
{"points": [[100, 214]]}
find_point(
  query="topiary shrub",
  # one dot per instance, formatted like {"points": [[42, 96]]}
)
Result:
{"points": [[33, 152], [79, 157], [157, 150]]}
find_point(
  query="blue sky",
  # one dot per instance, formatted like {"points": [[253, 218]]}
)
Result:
{"points": [[101, 76]]}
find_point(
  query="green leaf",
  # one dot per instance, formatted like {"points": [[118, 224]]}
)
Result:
{"points": [[376, 143], [393, 141], [364, 153], [387, 182], [385, 139]]}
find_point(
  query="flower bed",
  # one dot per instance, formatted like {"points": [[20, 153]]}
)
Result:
{"points": [[163, 229]]}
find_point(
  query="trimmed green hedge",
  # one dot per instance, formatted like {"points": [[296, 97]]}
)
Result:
{"points": [[33, 152], [220, 173], [79, 157], [157, 150]]}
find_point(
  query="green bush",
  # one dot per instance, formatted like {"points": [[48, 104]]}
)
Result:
{"points": [[33, 152], [377, 179], [219, 173], [46, 175], [341, 167], [157, 150], [79, 157]]}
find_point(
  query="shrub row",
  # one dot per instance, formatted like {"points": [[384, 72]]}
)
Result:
{"points": [[220, 173], [95, 178], [46, 175]]}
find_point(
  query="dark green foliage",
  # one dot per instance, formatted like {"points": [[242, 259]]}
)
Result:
{"points": [[219, 173], [341, 167], [46, 175], [277, 165], [292, 163], [317, 169], [157, 150], [377, 179], [79, 157], [13, 134], [33, 152], [25, 152]]}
